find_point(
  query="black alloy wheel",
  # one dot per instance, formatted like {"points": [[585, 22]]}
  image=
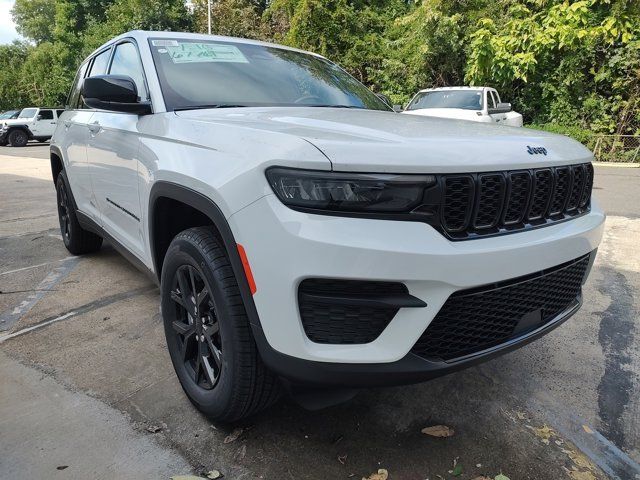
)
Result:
{"points": [[196, 327], [63, 213]]}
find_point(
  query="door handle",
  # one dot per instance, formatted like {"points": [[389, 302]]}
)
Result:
{"points": [[94, 127]]}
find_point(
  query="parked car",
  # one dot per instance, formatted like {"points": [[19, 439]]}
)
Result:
{"points": [[476, 104], [305, 235], [31, 123], [9, 114]]}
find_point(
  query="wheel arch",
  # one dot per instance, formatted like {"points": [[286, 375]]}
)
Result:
{"points": [[57, 165], [201, 210]]}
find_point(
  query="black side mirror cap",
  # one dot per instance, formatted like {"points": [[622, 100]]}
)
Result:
{"points": [[117, 93]]}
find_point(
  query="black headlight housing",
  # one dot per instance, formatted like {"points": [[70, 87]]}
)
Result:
{"points": [[360, 194]]}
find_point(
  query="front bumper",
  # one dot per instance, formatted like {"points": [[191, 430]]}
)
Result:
{"points": [[285, 247]]}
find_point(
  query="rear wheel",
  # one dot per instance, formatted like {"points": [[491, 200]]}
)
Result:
{"points": [[75, 238], [18, 138], [208, 332]]}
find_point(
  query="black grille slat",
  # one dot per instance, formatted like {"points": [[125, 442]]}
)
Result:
{"points": [[489, 202], [541, 195], [517, 198], [578, 173], [562, 184], [481, 204], [458, 201], [473, 320]]}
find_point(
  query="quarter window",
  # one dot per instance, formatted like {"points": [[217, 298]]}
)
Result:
{"points": [[100, 62], [126, 61]]}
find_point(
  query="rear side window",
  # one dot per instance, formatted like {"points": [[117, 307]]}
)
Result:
{"points": [[46, 114], [100, 63], [74, 95]]}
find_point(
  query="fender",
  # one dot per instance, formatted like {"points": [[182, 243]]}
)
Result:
{"points": [[20, 127], [206, 206]]}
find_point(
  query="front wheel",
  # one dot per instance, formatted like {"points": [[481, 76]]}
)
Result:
{"points": [[18, 138], [208, 333]]}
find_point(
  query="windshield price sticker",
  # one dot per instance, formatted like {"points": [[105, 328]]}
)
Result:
{"points": [[204, 52]]}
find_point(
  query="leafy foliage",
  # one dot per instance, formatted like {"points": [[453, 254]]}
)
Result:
{"points": [[571, 66]]}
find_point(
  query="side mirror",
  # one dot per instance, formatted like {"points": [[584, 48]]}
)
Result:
{"points": [[501, 108], [117, 93], [38, 117]]}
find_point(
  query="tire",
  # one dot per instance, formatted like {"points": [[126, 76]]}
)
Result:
{"points": [[18, 138], [230, 382], [76, 239]]}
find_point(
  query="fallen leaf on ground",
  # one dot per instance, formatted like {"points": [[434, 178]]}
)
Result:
{"points": [[382, 474], [501, 477], [154, 428], [233, 436], [544, 433], [240, 453], [213, 474], [587, 429], [438, 431], [342, 459], [457, 470]]}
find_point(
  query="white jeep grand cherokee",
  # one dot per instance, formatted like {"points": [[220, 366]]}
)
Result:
{"points": [[305, 236]]}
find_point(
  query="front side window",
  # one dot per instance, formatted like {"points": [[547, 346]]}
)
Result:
{"points": [[464, 99], [201, 73], [126, 61], [28, 113]]}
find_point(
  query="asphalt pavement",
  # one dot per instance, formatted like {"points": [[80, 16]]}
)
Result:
{"points": [[87, 389]]}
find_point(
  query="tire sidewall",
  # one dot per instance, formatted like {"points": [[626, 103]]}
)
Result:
{"points": [[16, 133], [213, 402]]}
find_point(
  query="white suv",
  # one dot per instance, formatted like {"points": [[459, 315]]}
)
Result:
{"points": [[303, 234], [32, 123]]}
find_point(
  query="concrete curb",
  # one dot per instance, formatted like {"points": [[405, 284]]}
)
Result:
{"points": [[617, 164]]}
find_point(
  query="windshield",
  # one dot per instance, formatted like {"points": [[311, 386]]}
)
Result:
{"points": [[197, 73], [28, 113], [8, 114], [464, 99]]}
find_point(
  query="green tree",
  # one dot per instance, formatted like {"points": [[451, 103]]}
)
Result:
{"points": [[34, 19], [12, 57]]}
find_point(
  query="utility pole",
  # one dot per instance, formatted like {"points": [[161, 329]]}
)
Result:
{"points": [[209, 15]]}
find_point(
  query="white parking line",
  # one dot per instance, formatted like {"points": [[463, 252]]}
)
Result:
{"points": [[4, 338], [35, 266]]}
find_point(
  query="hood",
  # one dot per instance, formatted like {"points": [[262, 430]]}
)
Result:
{"points": [[377, 141], [457, 113]]}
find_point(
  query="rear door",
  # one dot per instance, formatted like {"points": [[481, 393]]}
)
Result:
{"points": [[72, 136], [113, 157]]}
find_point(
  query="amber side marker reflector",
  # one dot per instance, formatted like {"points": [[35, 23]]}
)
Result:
{"points": [[247, 269]]}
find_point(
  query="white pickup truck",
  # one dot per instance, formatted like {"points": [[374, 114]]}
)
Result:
{"points": [[476, 104], [32, 123]]}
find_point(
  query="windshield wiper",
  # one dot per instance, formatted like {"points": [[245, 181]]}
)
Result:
{"points": [[201, 107]]}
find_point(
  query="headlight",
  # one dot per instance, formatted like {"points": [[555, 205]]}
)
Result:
{"points": [[362, 193]]}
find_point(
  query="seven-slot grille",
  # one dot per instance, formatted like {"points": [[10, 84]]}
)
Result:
{"points": [[490, 203], [477, 319]]}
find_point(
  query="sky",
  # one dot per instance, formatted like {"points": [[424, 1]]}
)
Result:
{"points": [[7, 28]]}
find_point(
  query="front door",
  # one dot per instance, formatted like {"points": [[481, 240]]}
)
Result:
{"points": [[112, 154], [44, 124]]}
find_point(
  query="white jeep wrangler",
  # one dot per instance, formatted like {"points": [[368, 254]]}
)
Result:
{"points": [[32, 123], [304, 235]]}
